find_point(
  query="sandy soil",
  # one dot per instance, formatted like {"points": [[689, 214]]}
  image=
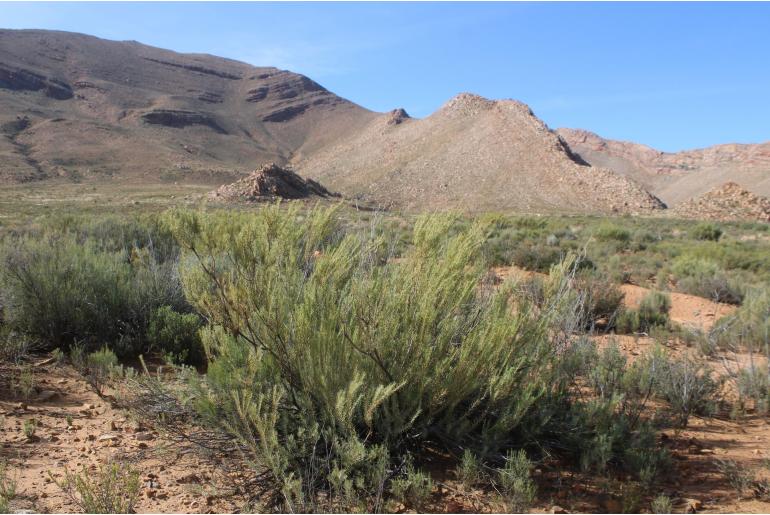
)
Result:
{"points": [[173, 480]]}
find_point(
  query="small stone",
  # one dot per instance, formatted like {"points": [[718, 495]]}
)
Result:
{"points": [[558, 509], [21, 406], [149, 493], [693, 505], [144, 437], [47, 395]]}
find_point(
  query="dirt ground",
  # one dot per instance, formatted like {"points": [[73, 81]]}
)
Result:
{"points": [[175, 479]]}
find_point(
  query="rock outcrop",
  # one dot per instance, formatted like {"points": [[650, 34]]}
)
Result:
{"points": [[730, 202], [270, 182]]}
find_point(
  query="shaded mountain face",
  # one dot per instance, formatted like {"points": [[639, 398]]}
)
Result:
{"points": [[76, 105], [676, 177], [473, 154]]}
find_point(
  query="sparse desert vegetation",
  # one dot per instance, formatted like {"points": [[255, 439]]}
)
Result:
{"points": [[326, 359]]}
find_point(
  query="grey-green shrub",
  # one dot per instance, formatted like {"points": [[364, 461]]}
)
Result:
{"points": [[176, 334], [608, 231], [63, 287], [651, 313], [749, 326], [705, 278], [313, 327], [516, 484], [753, 383], [707, 231]]}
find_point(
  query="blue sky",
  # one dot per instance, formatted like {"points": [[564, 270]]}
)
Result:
{"points": [[670, 75]]}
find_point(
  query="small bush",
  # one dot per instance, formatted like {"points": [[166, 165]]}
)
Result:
{"points": [[707, 231], [176, 334], [30, 428], [661, 504], [63, 288], [99, 367], [737, 476], [749, 326], [611, 232], [58, 356], [15, 346], [470, 469], [8, 486], [754, 383], [413, 488], [25, 384], [516, 484], [705, 278], [113, 489], [602, 301], [687, 386], [652, 312]]}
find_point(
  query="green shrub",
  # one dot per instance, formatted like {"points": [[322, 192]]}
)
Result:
{"points": [[99, 367], [687, 385], [316, 338], [602, 301], [470, 469], [610, 232], [114, 488], [63, 288], [413, 488], [736, 475], [749, 326], [176, 334], [25, 383], [516, 484], [538, 258], [705, 278], [8, 486], [661, 504], [706, 231], [651, 313], [754, 383]]}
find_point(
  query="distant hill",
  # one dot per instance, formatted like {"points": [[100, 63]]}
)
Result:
{"points": [[676, 177], [77, 106], [474, 154]]}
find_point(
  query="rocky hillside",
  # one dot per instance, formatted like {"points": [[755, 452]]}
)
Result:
{"points": [[676, 177], [270, 182], [729, 202], [81, 107], [473, 154]]}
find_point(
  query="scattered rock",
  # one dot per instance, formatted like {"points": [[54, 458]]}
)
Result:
{"points": [[108, 436], [270, 182], [144, 436], [729, 202], [47, 395], [558, 509], [692, 505]]}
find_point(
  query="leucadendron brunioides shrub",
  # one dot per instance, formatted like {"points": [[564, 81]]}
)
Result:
{"points": [[331, 362]]}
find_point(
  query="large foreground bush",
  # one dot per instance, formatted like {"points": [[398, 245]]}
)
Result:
{"points": [[335, 367]]}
